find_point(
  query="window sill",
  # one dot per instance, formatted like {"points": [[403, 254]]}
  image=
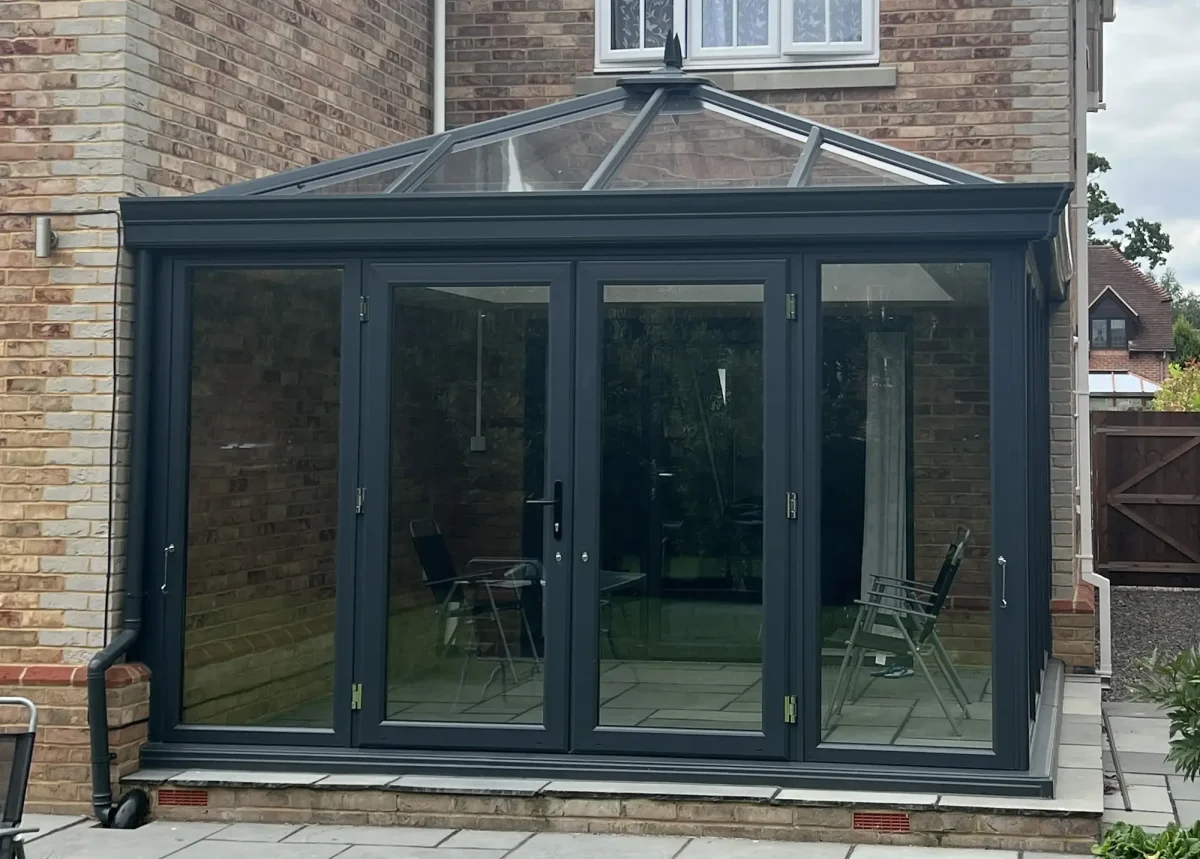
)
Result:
{"points": [[766, 80]]}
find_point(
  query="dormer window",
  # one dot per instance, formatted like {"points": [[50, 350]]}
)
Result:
{"points": [[1110, 334]]}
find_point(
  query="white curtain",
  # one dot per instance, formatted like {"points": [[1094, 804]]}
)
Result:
{"points": [[885, 520]]}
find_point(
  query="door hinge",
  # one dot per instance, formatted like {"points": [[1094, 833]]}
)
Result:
{"points": [[364, 309], [789, 709], [791, 305], [791, 505], [356, 696], [360, 500]]}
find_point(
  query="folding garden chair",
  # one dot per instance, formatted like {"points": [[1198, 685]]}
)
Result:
{"points": [[16, 758], [910, 609]]}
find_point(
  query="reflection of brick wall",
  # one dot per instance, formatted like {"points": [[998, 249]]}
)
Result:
{"points": [[262, 514], [1148, 365]]}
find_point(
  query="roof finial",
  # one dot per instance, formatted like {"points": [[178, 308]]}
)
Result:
{"points": [[673, 52]]}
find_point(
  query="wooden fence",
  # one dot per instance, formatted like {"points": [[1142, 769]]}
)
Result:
{"points": [[1146, 473]]}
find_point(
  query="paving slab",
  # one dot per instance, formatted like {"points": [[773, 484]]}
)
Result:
{"points": [[1083, 757], [480, 786], [664, 789], [155, 840], [1181, 788], [48, 824], [554, 845], [1141, 762], [1133, 709], [346, 781], [362, 851], [209, 849], [1189, 812], [1080, 731], [734, 848], [1148, 820], [1154, 780], [803, 796], [482, 839], [255, 832], [378, 836], [235, 778], [150, 776], [883, 851], [1142, 798]]}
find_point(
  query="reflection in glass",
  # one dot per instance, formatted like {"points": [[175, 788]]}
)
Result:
{"points": [[467, 450], [262, 497], [558, 157], [690, 145], [835, 168], [906, 505], [363, 183], [680, 602]]}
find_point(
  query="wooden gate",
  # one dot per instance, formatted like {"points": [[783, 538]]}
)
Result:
{"points": [[1146, 474]]}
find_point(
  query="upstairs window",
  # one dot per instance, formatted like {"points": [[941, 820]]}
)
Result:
{"points": [[1109, 334], [731, 34]]}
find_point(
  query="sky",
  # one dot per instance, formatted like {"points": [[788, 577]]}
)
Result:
{"points": [[1150, 131]]}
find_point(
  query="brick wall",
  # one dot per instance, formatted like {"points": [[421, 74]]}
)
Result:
{"points": [[1148, 365]]}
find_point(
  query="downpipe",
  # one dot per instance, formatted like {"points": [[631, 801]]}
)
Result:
{"points": [[1083, 417], [131, 810]]}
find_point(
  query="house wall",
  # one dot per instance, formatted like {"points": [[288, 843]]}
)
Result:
{"points": [[100, 98], [1148, 365]]}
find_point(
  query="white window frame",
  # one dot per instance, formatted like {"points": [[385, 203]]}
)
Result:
{"points": [[780, 51]]}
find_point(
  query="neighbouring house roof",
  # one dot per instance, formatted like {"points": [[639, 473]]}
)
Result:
{"points": [[1149, 303], [1107, 384]]}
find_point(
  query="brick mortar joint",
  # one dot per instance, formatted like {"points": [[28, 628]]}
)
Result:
{"points": [[116, 677]]}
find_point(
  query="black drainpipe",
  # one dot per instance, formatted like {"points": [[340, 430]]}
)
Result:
{"points": [[143, 308]]}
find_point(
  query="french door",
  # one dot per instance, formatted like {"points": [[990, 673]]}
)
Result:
{"points": [[465, 492]]}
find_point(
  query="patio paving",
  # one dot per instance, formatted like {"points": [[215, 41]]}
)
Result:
{"points": [[80, 839], [1157, 796]]}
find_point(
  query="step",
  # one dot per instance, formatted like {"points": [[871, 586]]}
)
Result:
{"points": [[1069, 823]]}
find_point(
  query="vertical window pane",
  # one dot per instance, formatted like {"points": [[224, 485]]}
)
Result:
{"points": [[1099, 333], [753, 22], [906, 505], [627, 24], [808, 21], [1117, 337], [846, 21], [468, 449], [718, 23], [262, 498], [680, 601], [659, 15]]}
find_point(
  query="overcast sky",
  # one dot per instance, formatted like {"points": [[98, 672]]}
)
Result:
{"points": [[1150, 131]]}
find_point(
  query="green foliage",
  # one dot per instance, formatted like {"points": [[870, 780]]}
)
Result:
{"points": [[1181, 390], [1124, 841], [1138, 239], [1185, 302], [1174, 685], [1187, 340]]}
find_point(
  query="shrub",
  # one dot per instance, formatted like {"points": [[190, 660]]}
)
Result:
{"points": [[1132, 842], [1174, 685], [1181, 390]]}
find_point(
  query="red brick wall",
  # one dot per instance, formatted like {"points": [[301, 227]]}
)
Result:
{"points": [[1148, 365]]}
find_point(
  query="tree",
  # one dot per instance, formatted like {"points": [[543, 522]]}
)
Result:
{"points": [[1185, 302], [1187, 340], [1138, 239], [1181, 390]]}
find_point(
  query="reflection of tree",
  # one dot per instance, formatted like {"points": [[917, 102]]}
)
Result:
{"points": [[664, 412]]}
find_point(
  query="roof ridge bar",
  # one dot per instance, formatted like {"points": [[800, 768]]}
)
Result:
{"points": [[424, 167], [599, 180], [808, 157]]}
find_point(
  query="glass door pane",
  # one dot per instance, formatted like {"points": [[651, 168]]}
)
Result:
{"points": [[674, 587], [473, 507]]}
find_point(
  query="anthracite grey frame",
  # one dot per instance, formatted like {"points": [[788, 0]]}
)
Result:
{"points": [[572, 241]]}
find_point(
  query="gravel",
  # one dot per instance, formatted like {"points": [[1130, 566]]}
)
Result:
{"points": [[1144, 619]]}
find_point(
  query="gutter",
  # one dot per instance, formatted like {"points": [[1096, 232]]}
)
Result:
{"points": [[97, 706], [1083, 421]]}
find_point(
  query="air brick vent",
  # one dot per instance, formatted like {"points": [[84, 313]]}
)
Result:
{"points": [[882, 821], [183, 798]]}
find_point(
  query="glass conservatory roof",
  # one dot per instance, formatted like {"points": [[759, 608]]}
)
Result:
{"points": [[663, 130]]}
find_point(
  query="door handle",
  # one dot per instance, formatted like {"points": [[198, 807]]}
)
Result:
{"points": [[1003, 581], [555, 502]]}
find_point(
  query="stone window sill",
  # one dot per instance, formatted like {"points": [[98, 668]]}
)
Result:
{"points": [[766, 80]]}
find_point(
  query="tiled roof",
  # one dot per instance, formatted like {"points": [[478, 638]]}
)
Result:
{"points": [[1155, 316]]}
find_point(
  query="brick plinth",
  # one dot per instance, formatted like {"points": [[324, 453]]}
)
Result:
{"points": [[61, 779], [1074, 628], [641, 815]]}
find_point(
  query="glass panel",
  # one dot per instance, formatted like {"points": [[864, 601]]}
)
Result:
{"points": [[718, 23], [808, 20], [680, 603], [553, 158], [832, 168], [1099, 333], [689, 146], [468, 442], [262, 498], [753, 22], [846, 21], [1117, 337], [366, 183], [627, 24], [659, 15], [906, 480]]}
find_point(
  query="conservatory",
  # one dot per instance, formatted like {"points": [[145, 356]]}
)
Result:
{"points": [[652, 434]]}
